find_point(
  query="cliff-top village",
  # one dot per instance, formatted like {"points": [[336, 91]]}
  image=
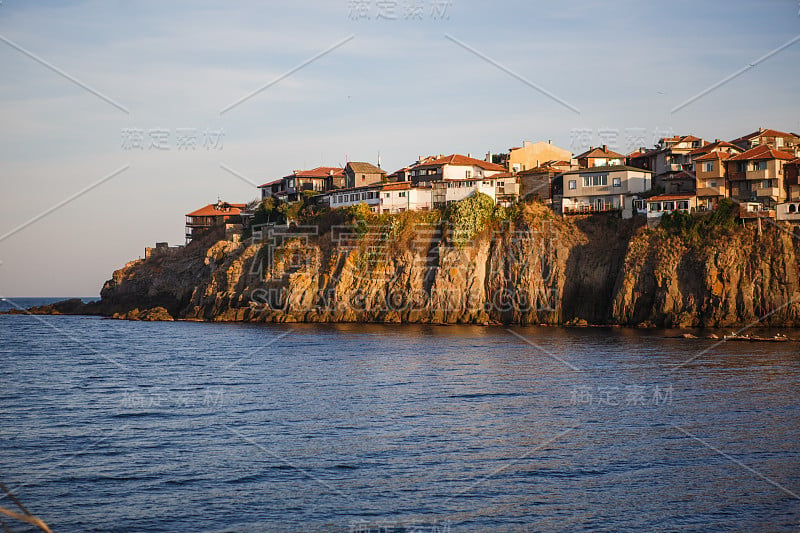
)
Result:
{"points": [[759, 171]]}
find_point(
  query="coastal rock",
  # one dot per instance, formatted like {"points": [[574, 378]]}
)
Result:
{"points": [[538, 269]]}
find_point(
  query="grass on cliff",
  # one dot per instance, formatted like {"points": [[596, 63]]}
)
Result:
{"points": [[699, 227]]}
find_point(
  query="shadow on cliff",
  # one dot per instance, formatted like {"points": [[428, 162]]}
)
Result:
{"points": [[594, 263]]}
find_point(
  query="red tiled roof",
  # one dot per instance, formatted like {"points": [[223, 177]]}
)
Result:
{"points": [[663, 197], [319, 172], [211, 210], [599, 152], [712, 156], [271, 183], [766, 133], [463, 161], [762, 151], [712, 146], [397, 186]]}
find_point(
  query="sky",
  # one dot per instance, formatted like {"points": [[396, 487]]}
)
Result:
{"points": [[117, 118]]}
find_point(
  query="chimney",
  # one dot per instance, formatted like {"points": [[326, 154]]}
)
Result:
{"points": [[549, 141], [469, 154], [488, 157], [605, 148], [760, 129], [716, 140]]}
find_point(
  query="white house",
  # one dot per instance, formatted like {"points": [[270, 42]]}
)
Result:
{"points": [[369, 195], [452, 167], [502, 188], [401, 196], [657, 206]]}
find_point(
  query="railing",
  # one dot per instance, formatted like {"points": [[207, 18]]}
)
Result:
{"points": [[588, 209]]}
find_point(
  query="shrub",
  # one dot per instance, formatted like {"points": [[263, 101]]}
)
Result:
{"points": [[469, 216]]}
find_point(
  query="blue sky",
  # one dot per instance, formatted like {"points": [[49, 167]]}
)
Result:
{"points": [[400, 87]]}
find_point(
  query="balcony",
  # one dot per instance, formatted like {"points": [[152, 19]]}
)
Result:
{"points": [[737, 176], [767, 192]]}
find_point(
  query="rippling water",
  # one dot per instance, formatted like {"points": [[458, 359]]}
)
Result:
{"points": [[129, 426]]}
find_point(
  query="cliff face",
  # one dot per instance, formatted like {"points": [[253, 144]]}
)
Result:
{"points": [[537, 270]]}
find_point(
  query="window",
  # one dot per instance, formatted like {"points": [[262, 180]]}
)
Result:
{"points": [[713, 184], [766, 184], [616, 182], [587, 181], [501, 184], [363, 177], [387, 194], [402, 194], [759, 165], [655, 207], [468, 174], [573, 184], [683, 204], [708, 167]]}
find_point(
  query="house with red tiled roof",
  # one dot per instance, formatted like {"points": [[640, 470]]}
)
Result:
{"points": [[452, 167], [658, 206], [289, 188], [711, 178], [202, 220], [786, 142], [599, 157], [757, 175]]}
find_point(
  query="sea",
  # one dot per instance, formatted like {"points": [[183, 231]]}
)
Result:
{"points": [[110, 425]]}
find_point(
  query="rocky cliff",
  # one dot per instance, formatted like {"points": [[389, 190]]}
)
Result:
{"points": [[531, 269]]}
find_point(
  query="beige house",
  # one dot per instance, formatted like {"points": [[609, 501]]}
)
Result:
{"points": [[532, 155], [757, 175], [712, 181], [600, 189], [360, 174]]}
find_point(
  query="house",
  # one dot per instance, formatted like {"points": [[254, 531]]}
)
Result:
{"points": [[789, 211], [671, 162], [369, 194], [712, 181], [599, 189], [360, 174], [273, 189], [757, 175], [786, 142], [533, 155], [211, 216], [541, 182], [791, 177], [289, 188], [386, 198], [400, 197], [452, 167], [502, 188], [661, 204], [599, 157]]}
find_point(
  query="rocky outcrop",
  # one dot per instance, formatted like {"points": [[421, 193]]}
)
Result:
{"points": [[537, 270]]}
